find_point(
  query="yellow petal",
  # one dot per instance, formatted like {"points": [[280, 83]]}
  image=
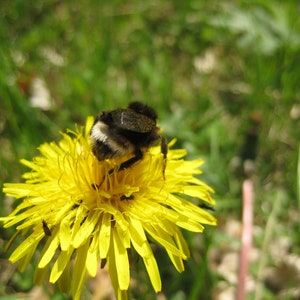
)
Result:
{"points": [[79, 272], [24, 261], [60, 265], [121, 261], [26, 245], [104, 235], [153, 271], [164, 239], [64, 281], [65, 234], [177, 261], [92, 262], [86, 228], [52, 245]]}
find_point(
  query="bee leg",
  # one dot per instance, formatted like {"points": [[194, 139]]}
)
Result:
{"points": [[138, 155], [125, 165], [164, 151]]}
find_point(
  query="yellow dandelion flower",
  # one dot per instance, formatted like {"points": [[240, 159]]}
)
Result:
{"points": [[86, 214]]}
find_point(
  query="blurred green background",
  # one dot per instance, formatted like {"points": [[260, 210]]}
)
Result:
{"points": [[224, 77]]}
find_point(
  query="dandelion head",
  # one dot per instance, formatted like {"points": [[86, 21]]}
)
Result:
{"points": [[88, 211]]}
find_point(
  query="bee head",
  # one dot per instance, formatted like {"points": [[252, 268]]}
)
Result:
{"points": [[143, 109]]}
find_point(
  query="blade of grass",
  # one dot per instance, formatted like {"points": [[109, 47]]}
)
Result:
{"points": [[269, 230], [298, 179]]}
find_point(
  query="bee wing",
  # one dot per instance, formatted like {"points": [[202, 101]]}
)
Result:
{"points": [[130, 120]]}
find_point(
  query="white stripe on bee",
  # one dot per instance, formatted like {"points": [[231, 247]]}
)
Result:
{"points": [[118, 149], [99, 133]]}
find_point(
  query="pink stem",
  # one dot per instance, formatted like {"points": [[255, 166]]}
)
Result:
{"points": [[246, 241]]}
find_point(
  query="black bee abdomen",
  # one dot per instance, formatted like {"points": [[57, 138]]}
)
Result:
{"points": [[141, 140], [102, 150]]}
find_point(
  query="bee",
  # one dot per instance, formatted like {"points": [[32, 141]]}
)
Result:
{"points": [[125, 131]]}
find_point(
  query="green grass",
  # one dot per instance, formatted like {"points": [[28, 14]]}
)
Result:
{"points": [[115, 52]]}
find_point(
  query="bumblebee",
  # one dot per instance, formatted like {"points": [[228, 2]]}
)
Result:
{"points": [[126, 131]]}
